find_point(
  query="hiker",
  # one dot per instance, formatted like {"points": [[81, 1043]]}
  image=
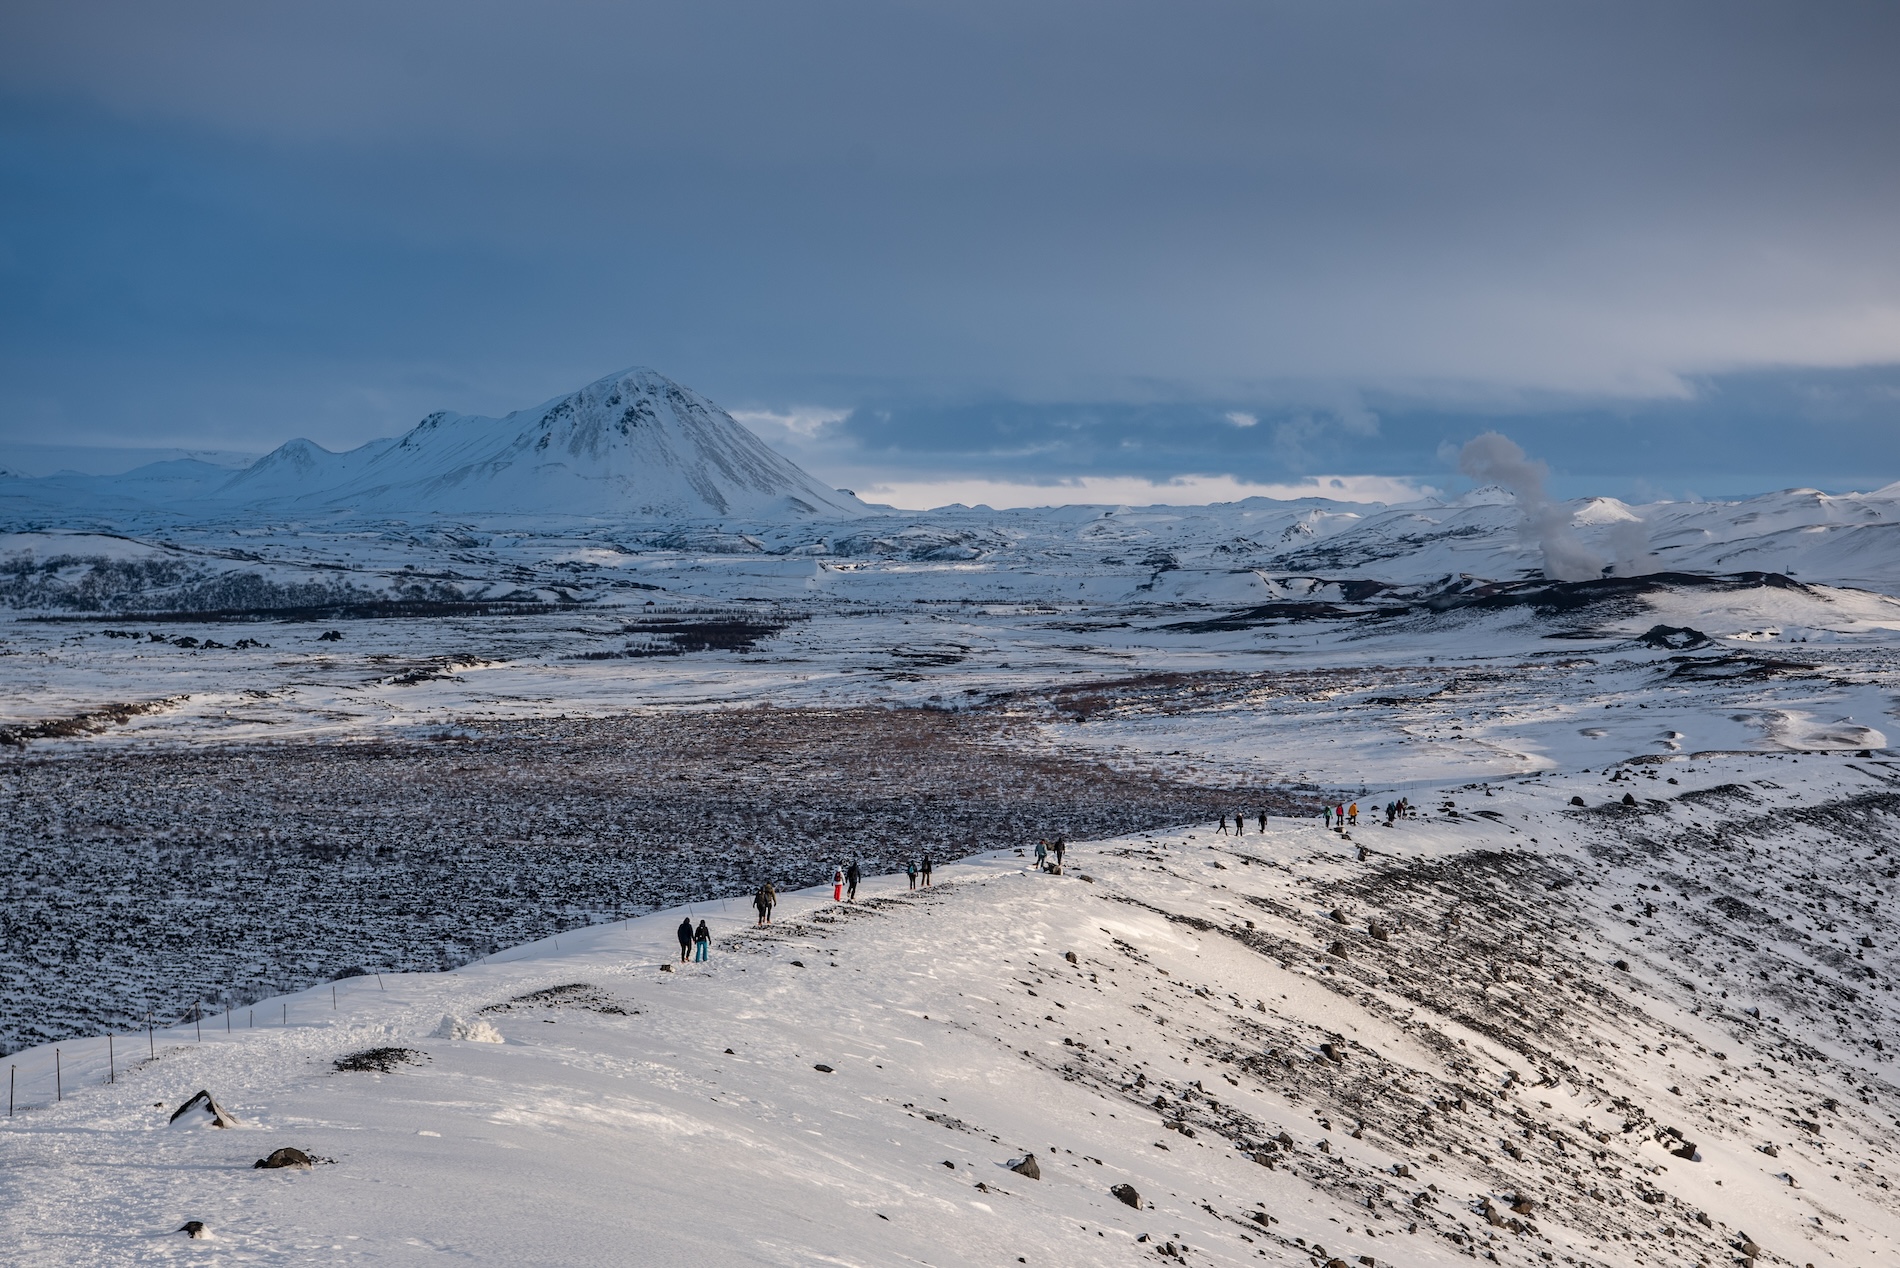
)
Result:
{"points": [[852, 878], [1060, 846], [1042, 855], [837, 886], [764, 901], [1263, 821], [686, 938], [1328, 812], [1339, 817], [925, 869], [1222, 830], [1352, 815], [702, 942], [1240, 824], [911, 867]]}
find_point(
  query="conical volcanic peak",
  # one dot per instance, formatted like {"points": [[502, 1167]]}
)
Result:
{"points": [[633, 444]]}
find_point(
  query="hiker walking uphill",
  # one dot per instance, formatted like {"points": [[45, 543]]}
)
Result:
{"points": [[837, 886], [923, 870], [764, 901], [1042, 855], [851, 879], [911, 868], [1061, 845], [702, 942], [686, 939]]}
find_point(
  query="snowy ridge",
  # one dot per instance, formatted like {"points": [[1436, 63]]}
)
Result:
{"points": [[1511, 1027]]}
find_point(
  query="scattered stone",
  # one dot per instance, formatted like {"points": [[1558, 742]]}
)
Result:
{"points": [[1686, 1150], [1126, 1194], [1576, 801], [822, 1068], [202, 1111], [194, 1228], [1629, 799], [285, 1157], [377, 1060], [1070, 957], [1333, 1053], [798, 964], [1337, 916], [1026, 1166], [1624, 965], [667, 968], [1379, 931]]}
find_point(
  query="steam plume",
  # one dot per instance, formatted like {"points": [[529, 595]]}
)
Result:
{"points": [[1497, 459]]}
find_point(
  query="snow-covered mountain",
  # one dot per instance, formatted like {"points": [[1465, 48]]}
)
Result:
{"points": [[634, 444]]}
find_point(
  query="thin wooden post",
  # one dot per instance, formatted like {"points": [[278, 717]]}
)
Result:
{"points": [[227, 1019], [149, 1040], [286, 1012], [253, 1019], [112, 1066], [59, 1082], [333, 997], [379, 983], [12, 1072], [196, 1023]]}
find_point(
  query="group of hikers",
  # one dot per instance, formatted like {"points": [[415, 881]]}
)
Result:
{"points": [[1240, 824], [696, 943], [1045, 851], [1345, 815]]}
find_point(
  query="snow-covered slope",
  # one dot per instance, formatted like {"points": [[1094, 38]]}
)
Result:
{"points": [[632, 445], [1513, 1029]]}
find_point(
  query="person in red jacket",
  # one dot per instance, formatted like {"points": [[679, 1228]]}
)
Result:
{"points": [[837, 886]]}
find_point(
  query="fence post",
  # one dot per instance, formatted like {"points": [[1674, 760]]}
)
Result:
{"points": [[59, 1082], [196, 1023], [12, 1072], [149, 1040], [333, 997], [286, 1012], [112, 1065]]}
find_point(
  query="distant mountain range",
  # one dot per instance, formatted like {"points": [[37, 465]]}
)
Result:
{"points": [[634, 445], [641, 459]]}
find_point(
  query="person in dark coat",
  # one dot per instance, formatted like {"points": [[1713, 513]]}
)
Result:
{"points": [[851, 879], [764, 901], [924, 870], [1061, 845], [686, 939], [702, 942]]}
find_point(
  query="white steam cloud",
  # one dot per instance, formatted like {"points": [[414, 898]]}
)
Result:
{"points": [[1497, 459]]}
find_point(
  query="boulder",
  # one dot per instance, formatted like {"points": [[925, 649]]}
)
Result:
{"points": [[1126, 1194], [194, 1228], [285, 1157], [1026, 1166], [202, 1111], [1576, 801], [1629, 799]]}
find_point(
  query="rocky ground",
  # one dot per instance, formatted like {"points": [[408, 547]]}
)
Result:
{"points": [[136, 878]]}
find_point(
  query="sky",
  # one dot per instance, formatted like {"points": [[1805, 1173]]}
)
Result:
{"points": [[1036, 250]]}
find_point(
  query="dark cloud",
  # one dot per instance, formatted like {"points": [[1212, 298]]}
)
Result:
{"points": [[226, 223]]}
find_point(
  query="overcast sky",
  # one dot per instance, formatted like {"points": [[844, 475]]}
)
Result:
{"points": [[975, 245]]}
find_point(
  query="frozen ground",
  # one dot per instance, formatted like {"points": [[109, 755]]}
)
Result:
{"points": [[1655, 1028]]}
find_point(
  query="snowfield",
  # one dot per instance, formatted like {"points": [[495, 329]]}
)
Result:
{"points": [[1515, 1028]]}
